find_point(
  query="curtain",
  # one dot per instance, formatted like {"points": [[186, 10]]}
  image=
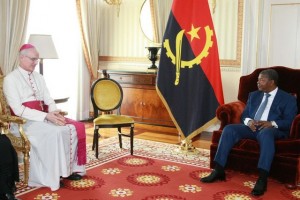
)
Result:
{"points": [[13, 23], [250, 36], [161, 14], [89, 13]]}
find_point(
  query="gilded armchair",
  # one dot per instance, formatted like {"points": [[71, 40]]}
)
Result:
{"points": [[20, 143]]}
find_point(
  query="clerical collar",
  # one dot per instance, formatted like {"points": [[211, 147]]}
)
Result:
{"points": [[23, 71]]}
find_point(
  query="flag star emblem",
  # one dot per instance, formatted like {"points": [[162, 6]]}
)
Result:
{"points": [[194, 32]]}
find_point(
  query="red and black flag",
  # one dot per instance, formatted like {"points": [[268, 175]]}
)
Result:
{"points": [[189, 78]]}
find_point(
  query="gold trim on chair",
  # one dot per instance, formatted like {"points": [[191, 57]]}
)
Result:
{"points": [[20, 143]]}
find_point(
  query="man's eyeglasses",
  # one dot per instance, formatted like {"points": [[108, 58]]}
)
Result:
{"points": [[33, 59]]}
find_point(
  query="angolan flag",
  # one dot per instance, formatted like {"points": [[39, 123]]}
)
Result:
{"points": [[189, 79]]}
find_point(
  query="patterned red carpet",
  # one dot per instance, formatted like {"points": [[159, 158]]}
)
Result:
{"points": [[157, 171]]}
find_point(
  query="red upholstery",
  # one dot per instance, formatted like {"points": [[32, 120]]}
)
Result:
{"points": [[244, 155]]}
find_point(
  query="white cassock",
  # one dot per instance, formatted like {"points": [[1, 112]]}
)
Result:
{"points": [[53, 148]]}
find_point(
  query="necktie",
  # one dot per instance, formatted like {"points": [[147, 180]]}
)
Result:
{"points": [[262, 107]]}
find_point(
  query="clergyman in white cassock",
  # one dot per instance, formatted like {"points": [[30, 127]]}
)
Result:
{"points": [[55, 150]]}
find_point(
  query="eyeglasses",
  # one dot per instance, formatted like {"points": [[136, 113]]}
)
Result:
{"points": [[33, 59]]}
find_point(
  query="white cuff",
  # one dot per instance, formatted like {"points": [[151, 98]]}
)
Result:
{"points": [[274, 124]]}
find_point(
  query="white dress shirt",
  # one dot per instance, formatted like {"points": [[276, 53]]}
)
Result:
{"points": [[265, 114]]}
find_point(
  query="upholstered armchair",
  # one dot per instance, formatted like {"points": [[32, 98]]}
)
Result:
{"points": [[244, 155]]}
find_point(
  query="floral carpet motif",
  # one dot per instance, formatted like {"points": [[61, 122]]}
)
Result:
{"points": [[86, 183], [156, 171]]}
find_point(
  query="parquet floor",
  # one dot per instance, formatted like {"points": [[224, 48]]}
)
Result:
{"points": [[154, 133]]}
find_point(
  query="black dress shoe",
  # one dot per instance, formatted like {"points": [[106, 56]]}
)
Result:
{"points": [[260, 187], [11, 196], [214, 176], [74, 177], [61, 184]]}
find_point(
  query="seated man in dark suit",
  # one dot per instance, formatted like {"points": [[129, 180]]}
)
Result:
{"points": [[268, 116], [9, 172]]}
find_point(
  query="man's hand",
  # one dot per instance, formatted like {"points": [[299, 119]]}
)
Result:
{"points": [[264, 124], [252, 125], [258, 125], [56, 118]]}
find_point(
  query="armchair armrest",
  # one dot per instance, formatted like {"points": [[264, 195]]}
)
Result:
{"points": [[295, 128], [21, 142], [13, 119], [230, 113]]}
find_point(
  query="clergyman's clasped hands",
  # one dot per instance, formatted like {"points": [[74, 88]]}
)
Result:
{"points": [[56, 118]]}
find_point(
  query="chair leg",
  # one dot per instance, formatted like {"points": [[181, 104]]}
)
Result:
{"points": [[120, 137], [95, 137], [93, 147], [97, 151], [131, 139], [96, 141], [26, 167]]}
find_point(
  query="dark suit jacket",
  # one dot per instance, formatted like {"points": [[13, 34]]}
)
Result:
{"points": [[283, 109], [9, 171]]}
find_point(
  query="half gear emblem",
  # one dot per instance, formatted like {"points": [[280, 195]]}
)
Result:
{"points": [[176, 59]]}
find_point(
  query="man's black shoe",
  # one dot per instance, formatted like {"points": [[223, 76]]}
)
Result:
{"points": [[214, 176], [61, 184], [260, 187], [74, 177], [11, 196]]}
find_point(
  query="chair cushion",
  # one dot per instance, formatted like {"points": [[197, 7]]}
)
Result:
{"points": [[112, 120]]}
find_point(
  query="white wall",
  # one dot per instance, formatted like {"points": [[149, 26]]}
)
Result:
{"points": [[280, 33], [230, 81]]}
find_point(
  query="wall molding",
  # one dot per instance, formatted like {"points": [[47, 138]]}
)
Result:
{"points": [[239, 39]]}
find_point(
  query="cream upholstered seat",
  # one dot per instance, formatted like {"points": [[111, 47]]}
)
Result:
{"points": [[107, 96], [20, 143]]}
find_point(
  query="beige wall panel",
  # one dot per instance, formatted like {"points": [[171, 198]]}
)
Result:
{"points": [[284, 39]]}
